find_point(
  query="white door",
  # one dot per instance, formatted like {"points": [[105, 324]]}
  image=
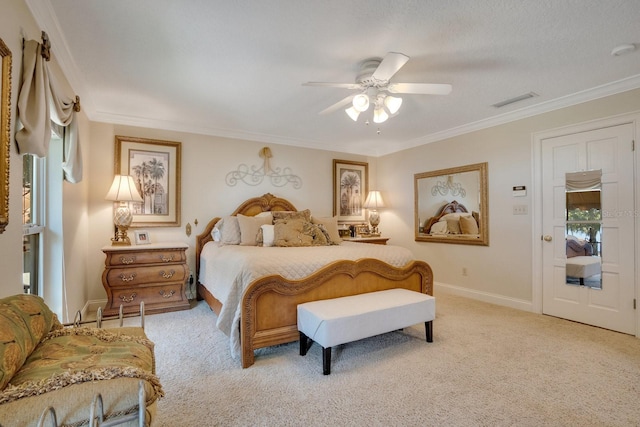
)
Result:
{"points": [[610, 150]]}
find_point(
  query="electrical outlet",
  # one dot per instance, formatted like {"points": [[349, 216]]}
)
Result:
{"points": [[520, 209]]}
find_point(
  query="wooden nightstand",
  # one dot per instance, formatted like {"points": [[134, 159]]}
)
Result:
{"points": [[375, 240], [156, 274]]}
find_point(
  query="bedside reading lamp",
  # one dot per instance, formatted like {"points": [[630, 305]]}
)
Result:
{"points": [[373, 202], [123, 190]]}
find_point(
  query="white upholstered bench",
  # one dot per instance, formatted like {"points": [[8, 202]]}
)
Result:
{"points": [[583, 267], [341, 320]]}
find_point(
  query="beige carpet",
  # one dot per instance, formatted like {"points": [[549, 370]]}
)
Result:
{"points": [[488, 366]]}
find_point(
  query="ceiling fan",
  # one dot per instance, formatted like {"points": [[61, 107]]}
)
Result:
{"points": [[374, 86]]}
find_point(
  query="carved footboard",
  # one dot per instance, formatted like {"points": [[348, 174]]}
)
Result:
{"points": [[269, 305]]}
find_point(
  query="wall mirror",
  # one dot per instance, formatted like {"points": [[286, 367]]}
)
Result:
{"points": [[451, 205], [5, 122]]}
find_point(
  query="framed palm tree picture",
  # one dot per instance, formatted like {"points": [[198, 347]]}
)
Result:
{"points": [[155, 168], [350, 186]]}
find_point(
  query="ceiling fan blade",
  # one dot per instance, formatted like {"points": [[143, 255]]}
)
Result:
{"points": [[338, 105], [329, 84], [390, 65], [420, 88]]}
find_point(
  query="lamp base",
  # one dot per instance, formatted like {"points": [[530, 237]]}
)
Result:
{"points": [[122, 219], [374, 220], [121, 238]]}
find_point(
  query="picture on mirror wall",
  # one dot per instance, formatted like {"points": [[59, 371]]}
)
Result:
{"points": [[350, 185], [5, 125], [155, 168]]}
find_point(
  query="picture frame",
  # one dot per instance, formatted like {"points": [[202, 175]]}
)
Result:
{"points": [[350, 188], [5, 132], [142, 237], [156, 168]]}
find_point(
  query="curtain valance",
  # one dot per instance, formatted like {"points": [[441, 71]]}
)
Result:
{"points": [[39, 102]]}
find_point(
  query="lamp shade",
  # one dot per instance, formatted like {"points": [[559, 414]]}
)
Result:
{"points": [[374, 200], [379, 115], [353, 113], [123, 189], [392, 103], [361, 102]]}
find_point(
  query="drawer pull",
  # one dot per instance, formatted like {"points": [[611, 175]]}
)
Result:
{"points": [[127, 261], [165, 258], [168, 275], [167, 295], [127, 278], [125, 298]]}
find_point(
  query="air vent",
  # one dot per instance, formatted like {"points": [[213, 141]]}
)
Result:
{"points": [[516, 99]]}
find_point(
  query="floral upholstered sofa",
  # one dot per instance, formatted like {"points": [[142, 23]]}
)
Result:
{"points": [[43, 364]]}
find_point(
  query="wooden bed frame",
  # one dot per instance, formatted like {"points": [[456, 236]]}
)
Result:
{"points": [[452, 207], [269, 304]]}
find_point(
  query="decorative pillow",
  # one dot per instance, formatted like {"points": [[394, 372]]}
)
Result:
{"points": [[24, 321], [455, 215], [298, 232], [249, 226], [227, 231], [439, 228], [468, 225], [305, 214], [453, 226], [266, 235], [476, 216], [331, 226]]}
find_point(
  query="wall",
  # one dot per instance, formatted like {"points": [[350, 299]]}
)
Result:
{"points": [[206, 161], [15, 22], [501, 272]]}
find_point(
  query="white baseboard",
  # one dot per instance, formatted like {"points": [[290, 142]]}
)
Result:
{"points": [[483, 296]]}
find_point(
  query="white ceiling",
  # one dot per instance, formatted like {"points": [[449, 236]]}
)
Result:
{"points": [[236, 68]]}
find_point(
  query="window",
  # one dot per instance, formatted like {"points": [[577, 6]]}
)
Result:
{"points": [[32, 222]]}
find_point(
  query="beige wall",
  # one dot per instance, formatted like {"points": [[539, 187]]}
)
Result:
{"points": [[206, 161], [502, 272]]}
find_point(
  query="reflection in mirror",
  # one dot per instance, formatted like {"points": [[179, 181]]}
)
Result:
{"points": [[584, 228], [451, 205]]}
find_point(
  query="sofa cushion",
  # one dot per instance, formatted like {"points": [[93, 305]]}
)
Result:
{"points": [[24, 321]]}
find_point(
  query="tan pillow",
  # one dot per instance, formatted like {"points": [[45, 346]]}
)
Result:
{"points": [[290, 232], [468, 225], [453, 226], [249, 226], [305, 214], [476, 215], [331, 225]]}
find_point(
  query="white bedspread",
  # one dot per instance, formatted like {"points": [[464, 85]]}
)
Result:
{"points": [[226, 271]]}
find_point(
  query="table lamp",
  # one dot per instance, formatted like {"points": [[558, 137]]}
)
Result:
{"points": [[123, 190], [373, 202]]}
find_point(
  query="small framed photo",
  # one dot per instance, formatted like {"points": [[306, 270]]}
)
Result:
{"points": [[142, 237]]}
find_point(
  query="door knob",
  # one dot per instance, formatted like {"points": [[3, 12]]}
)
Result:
{"points": [[547, 238]]}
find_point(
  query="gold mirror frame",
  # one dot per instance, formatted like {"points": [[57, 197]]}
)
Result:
{"points": [[5, 124], [422, 196]]}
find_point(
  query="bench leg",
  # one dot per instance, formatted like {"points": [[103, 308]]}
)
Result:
{"points": [[304, 344], [428, 327], [326, 360]]}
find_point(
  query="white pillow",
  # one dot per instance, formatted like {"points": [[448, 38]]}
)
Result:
{"points": [[268, 234], [227, 231], [249, 226], [439, 227]]}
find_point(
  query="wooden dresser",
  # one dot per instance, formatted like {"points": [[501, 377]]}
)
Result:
{"points": [[156, 274]]}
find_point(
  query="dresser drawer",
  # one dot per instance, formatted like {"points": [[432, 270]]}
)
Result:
{"points": [[153, 274], [132, 258], [156, 298]]}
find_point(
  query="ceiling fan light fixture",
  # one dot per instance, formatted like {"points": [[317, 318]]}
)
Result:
{"points": [[361, 102], [392, 103], [379, 115], [352, 113]]}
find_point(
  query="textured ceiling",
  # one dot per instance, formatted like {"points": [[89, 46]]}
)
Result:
{"points": [[236, 68]]}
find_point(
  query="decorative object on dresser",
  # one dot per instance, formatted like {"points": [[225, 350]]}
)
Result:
{"points": [[156, 274], [373, 203], [123, 190]]}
